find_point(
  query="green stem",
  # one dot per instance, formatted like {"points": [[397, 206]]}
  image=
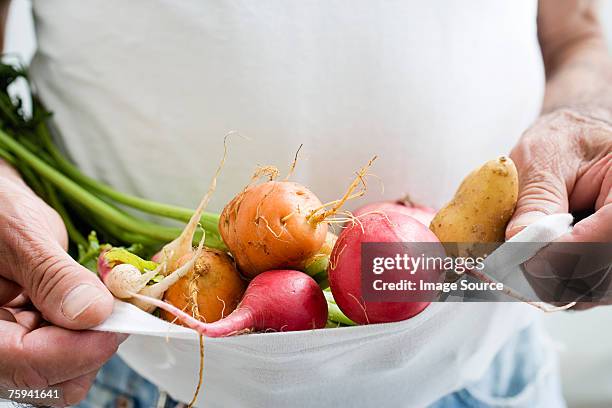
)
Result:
{"points": [[85, 198], [209, 221], [129, 237], [118, 235], [5, 102], [333, 311], [324, 284], [6, 156], [30, 178], [55, 202]]}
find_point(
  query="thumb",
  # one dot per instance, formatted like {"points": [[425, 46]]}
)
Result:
{"points": [[66, 293], [541, 193]]}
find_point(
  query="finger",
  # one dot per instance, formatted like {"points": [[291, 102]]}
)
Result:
{"points": [[8, 291], [593, 189], [75, 390], [52, 352], [594, 228], [542, 191], [6, 315], [66, 293], [22, 300], [578, 265], [30, 319], [52, 355]]}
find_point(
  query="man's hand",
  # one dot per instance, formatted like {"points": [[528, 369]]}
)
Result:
{"points": [[565, 159], [38, 348], [565, 164]]}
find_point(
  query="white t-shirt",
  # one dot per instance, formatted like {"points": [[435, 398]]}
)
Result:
{"points": [[144, 92]]}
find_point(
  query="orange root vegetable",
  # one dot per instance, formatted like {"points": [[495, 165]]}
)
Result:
{"points": [[280, 224], [212, 287], [267, 227], [282, 300]]}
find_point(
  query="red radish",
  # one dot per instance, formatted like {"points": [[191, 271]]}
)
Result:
{"points": [[420, 213], [279, 300], [345, 266]]}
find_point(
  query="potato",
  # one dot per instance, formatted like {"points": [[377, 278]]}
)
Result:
{"points": [[218, 284], [481, 207]]}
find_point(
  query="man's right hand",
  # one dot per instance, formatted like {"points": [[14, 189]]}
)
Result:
{"points": [[38, 344]]}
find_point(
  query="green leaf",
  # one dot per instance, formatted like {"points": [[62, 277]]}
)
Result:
{"points": [[334, 312], [122, 255], [88, 256]]}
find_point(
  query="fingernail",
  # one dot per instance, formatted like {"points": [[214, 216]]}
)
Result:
{"points": [[79, 299], [525, 220], [121, 337]]}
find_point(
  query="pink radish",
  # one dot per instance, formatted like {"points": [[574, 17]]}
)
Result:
{"points": [[103, 266], [278, 300], [421, 213], [344, 270]]}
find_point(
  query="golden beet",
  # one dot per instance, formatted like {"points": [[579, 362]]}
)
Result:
{"points": [[216, 283], [267, 226]]}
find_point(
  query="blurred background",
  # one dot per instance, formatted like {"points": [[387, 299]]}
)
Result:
{"points": [[584, 339]]}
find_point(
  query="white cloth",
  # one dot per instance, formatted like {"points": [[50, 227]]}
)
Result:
{"points": [[410, 363], [143, 92]]}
